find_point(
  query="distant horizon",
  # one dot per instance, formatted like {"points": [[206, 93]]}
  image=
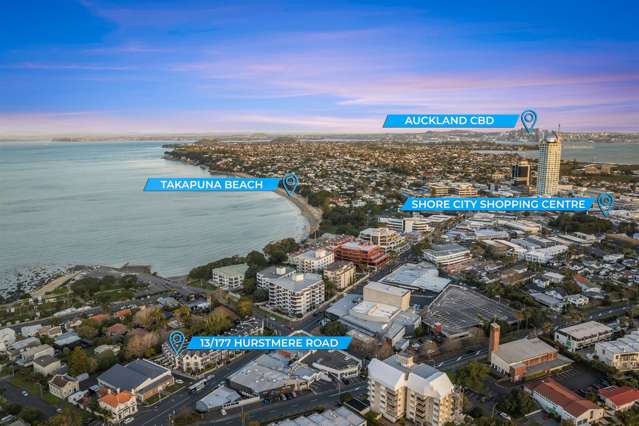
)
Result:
{"points": [[199, 135], [195, 66]]}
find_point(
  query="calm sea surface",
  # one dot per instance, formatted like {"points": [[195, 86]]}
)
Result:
{"points": [[67, 203]]}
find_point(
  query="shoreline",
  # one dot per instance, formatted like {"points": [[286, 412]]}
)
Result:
{"points": [[313, 215]]}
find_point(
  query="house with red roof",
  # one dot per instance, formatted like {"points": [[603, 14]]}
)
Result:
{"points": [[117, 330], [119, 405], [619, 398], [556, 399]]}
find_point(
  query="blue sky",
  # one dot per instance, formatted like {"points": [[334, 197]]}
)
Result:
{"points": [[332, 66]]}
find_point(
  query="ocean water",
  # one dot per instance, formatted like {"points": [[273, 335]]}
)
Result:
{"points": [[64, 203]]}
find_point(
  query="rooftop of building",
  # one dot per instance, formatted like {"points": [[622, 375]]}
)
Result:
{"points": [[385, 288], [627, 344], [115, 399], [423, 276], [523, 349], [337, 360], [341, 416], [585, 329], [459, 308], [339, 264], [239, 269], [46, 360], [314, 254], [378, 232], [272, 271], [565, 398], [298, 282], [620, 395], [446, 249], [359, 245], [220, 396]]}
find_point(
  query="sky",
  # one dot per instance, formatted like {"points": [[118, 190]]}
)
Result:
{"points": [[93, 66]]}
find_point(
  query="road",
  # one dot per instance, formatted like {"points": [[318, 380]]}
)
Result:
{"points": [[281, 409], [159, 413], [14, 394]]}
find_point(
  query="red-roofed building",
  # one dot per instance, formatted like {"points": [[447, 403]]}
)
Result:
{"points": [[119, 405], [99, 317], [362, 254], [555, 398], [117, 330], [619, 398], [122, 314]]}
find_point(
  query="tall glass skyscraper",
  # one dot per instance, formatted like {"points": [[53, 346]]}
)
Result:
{"points": [[549, 164]]}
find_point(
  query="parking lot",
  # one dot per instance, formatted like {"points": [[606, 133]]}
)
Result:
{"points": [[580, 380]]}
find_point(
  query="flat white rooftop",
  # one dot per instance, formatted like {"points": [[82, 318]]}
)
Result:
{"points": [[395, 291], [586, 329]]}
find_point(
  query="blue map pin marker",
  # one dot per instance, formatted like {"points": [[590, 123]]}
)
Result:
{"points": [[605, 203], [176, 341], [290, 183], [528, 119]]}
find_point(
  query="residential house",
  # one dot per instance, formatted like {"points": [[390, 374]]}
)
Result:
{"points": [[119, 405], [46, 365], [61, 386], [619, 398]]}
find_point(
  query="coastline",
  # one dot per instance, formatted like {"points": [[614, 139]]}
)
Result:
{"points": [[313, 215]]}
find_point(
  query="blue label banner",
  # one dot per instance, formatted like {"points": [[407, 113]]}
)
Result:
{"points": [[451, 121], [211, 184], [294, 343], [562, 204]]}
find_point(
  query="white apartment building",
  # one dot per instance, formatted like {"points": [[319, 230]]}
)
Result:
{"points": [[298, 294], [397, 388], [387, 239], [265, 276], [545, 255], [548, 166], [584, 335], [229, 277], [312, 260], [447, 254], [407, 224], [622, 354]]}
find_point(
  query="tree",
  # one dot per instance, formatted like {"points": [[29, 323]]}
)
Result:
{"points": [[79, 362], [87, 332], [182, 314], [517, 403], [150, 318], [217, 323], [245, 306], [472, 375], [68, 417], [31, 415], [334, 328], [106, 360], [255, 258]]}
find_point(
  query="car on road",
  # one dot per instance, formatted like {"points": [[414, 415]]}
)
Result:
{"points": [[179, 381], [25, 393], [128, 420], [58, 410]]}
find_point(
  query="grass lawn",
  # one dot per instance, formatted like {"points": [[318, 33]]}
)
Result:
{"points": [[165, 393], [32, 387]]}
